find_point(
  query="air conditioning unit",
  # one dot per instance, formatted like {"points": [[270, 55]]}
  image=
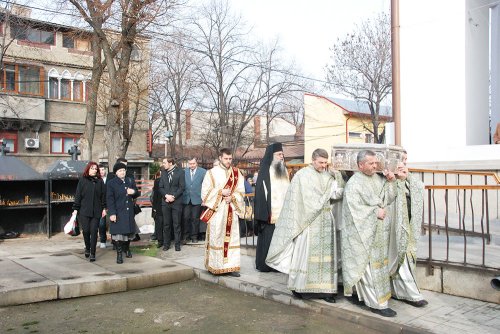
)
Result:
{"points": [[31, 143]]}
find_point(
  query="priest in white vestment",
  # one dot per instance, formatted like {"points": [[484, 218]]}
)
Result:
{"points": [[407, 220], [365, 235], [304, 241], [222, 193]]}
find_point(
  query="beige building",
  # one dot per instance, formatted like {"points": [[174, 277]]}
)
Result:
{"points": [[330, 121], [44, 87]]}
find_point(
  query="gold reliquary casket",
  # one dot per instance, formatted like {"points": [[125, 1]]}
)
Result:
{"points": [[344, 156]]}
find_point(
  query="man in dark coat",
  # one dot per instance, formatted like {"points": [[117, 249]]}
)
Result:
{"points": [[270, 189], [172, 184]]}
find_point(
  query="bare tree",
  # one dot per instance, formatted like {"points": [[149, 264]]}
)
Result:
{"points": [[361, 67], [175, 85], [240, 79], [224, 66], [132, 17]]}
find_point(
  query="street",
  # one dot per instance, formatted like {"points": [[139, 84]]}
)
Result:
{"points": [[191, 306]]}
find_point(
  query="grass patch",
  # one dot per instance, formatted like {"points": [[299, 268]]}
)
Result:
{"points": [[31, 323], [150, 250]]}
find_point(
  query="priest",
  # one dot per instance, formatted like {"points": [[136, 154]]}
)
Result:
{"points": [[407, 221], [222, 194], [365, 235], [303, 245], [270, 189]]}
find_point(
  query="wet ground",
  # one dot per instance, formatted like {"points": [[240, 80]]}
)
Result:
{"points": [[193, 306]]}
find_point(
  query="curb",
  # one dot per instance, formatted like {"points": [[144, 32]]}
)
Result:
{"points": [[334, 311]]}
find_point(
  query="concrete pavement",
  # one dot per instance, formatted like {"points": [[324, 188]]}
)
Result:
{"points": [[36, 269]]}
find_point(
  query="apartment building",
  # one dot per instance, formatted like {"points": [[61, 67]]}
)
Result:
{"points": [[45, 82]]}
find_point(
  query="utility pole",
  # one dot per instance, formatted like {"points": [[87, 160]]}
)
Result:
{"points": [[396, 82]]}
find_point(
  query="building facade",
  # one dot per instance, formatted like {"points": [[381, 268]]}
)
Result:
{"points": [[335, 121], [44, 87]]}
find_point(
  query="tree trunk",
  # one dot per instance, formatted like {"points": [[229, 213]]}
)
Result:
{"points": [[87, 139]]}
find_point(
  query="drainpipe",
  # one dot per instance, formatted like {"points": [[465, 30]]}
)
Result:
{"points": [[347, 128], [495, 283]]}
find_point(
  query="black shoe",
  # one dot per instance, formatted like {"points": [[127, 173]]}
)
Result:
{"points": [[354, 300], [177, 248], [159, 245], [385, 312], [87, 253], [234, 274], [153, 237], [128, 254], [92, 258], [297, 294], [329, 299], [418, 303], [166, 248], [137, 237]]}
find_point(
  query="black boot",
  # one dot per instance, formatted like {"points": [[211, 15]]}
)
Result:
{"points": [[128, 253], [119, 257]]}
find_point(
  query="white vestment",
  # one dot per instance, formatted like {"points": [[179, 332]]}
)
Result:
{"points": [[222, 243]]}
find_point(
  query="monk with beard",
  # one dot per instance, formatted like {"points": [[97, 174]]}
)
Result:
{"points": [[270, 189]]}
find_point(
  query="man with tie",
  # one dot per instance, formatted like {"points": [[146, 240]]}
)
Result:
{"points": [[171, 186], [192, 201]]}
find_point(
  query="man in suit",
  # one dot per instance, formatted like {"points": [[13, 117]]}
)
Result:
{"points": [[171, 186], [192, 200]]}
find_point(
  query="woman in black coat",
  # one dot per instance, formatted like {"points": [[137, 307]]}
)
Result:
{"points": [[90, 204], [121, 192]]}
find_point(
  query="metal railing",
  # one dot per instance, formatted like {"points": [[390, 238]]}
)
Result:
{"points": [[457, 224]]}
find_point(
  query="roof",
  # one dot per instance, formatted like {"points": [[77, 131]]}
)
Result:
{"points": [[66, 169], [290, 150], [13, 169], [358, 108]]}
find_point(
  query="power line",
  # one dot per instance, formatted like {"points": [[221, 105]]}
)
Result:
{"points": [[156, 34]]}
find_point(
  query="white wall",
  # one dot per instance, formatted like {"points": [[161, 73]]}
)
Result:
{"points": [[444, 76], [432, 75]]}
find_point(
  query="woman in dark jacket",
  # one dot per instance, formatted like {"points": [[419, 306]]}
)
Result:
{"points": [[89, 204], [121, 192]]}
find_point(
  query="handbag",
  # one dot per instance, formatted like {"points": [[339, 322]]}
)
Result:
{"points": [[248, 215], [72, 228], [137, 209]]}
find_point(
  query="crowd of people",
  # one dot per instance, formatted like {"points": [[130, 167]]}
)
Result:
{"points": [[324, 228]]}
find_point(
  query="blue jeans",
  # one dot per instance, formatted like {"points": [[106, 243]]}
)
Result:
{"points": [[102, 230]]}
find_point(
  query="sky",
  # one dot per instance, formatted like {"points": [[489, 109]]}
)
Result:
{"points": [[307, 29]]}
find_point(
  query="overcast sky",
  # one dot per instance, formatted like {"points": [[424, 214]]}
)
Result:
{"points": [[307, 29]]}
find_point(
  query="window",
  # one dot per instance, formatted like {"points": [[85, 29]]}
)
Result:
{"points": [[65, 89], [77, 90], [24, 33], [62, 142], [80, 44], [68, 42], [354, 135], [24, 79], [8, 78], [10, 139], [53, 88], [29, 80]]}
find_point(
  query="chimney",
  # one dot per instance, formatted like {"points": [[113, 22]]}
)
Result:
{"points": [[256, 129]]}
